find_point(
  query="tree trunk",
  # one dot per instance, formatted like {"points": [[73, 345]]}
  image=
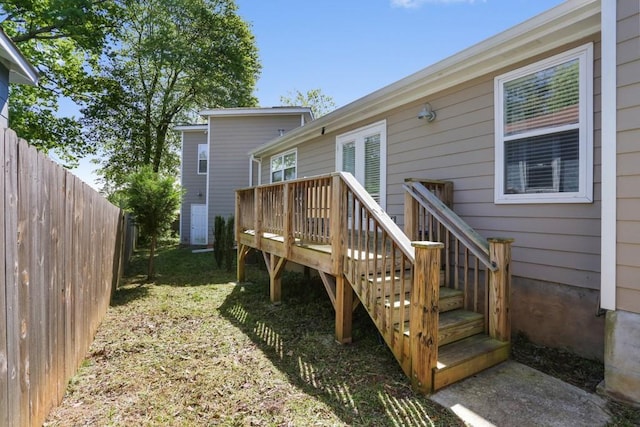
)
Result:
{"points": [[152, 252]]}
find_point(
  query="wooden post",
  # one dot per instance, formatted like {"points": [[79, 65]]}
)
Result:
{"points": [[275, 265], [344, 310], [257, 217], [500, 289], [243, 250], [287, 225], [337, 229], [410, 216], [423, 324]]}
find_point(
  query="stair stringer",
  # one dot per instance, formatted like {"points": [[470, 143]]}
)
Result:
{"points": [[395, 340]]}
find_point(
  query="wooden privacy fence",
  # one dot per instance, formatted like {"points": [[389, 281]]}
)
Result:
{"points": [[62, 248]]}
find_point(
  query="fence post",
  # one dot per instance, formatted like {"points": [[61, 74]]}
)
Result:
{"points": [[500, 289], [423, 323]]}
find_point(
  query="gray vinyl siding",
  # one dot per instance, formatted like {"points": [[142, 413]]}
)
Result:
{"points": [[557, 243], [4, 96], [553, 242], [628, 157], [192, 183], [231, 138]]}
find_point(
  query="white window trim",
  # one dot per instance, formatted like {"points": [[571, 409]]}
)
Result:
{"points": [[205, 148], [585, 161], [284, 153], [359, 134]]}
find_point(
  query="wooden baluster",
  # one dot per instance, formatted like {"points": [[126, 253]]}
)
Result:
{"points": [[499, 289], [424, 314]]}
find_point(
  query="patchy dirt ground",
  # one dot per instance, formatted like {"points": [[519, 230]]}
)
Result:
{"points": [[192, 349]]}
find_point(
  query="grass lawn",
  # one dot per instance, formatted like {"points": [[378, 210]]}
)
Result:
{"points": [[193, 349]]}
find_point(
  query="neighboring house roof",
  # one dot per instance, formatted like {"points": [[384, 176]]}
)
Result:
{"points": [[187, 128], [20, 70], [570, 21], [257, 111]]}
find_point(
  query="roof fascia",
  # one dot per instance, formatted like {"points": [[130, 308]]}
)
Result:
{"points": [[239, 112], [186, 128], [20, 70]]}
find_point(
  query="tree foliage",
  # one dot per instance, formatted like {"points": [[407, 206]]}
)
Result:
{"points": [[62, 39], [319, 103], [153, 200], [173, 57]]}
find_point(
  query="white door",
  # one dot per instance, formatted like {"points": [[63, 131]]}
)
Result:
{"points": [[363, 153], [198, 224]]}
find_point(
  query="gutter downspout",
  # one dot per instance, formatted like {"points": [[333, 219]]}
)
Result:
{"points": [[608, 221], [259, 162]]}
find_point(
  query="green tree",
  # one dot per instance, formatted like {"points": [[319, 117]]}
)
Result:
{"points": [[319, 103], [173, 57], [63, 39], [153, 200]]}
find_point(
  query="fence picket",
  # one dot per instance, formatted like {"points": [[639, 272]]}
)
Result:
{"points": [[4, 373], [11, 276], [62, 248]]}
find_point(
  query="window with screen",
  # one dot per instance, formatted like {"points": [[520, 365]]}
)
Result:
{"points": [[544, 150]]}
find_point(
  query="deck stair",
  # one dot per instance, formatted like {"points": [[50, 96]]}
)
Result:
{"points": [[463, 346], [437, 291]]}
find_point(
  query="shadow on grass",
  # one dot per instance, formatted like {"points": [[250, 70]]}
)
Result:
{"points": [[177, 266], [123, 296], [361, 382]]}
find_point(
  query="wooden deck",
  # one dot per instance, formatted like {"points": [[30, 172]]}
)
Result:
{"points": [[443, 321]]}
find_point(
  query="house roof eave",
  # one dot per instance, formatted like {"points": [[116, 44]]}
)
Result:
{"points": [[570, 21], [255, 111], [187, 128], [20, 70]]}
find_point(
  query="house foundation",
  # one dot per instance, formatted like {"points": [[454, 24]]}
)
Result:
{"points": [[558, 316], [622, 356]]}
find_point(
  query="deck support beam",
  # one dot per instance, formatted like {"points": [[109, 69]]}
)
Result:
{"points": [[243, 250], [344, 310], [423, 324], [500, 289], [275, 266], [329, 283]]}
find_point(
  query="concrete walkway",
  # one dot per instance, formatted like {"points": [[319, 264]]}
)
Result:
{"points": [[512, 394]]}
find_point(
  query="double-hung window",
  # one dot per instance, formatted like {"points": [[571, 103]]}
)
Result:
{"points": [[203, 157], [284, 166], [363, 153], [544, 147]]}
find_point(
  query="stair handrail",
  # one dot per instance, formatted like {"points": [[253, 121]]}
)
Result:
{"points": [[452, 222], [379, 214]]}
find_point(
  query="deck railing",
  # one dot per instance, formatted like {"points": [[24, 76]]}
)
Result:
{"points": [[477, 266], [296, 209], [367, 247], [369, 254]]}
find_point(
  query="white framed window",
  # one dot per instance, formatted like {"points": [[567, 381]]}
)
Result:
{"points": [[284, 166], [363, 153], [544, 131], [203, 158]]}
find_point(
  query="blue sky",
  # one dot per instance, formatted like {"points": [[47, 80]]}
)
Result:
{"points": [[349, 48]]}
